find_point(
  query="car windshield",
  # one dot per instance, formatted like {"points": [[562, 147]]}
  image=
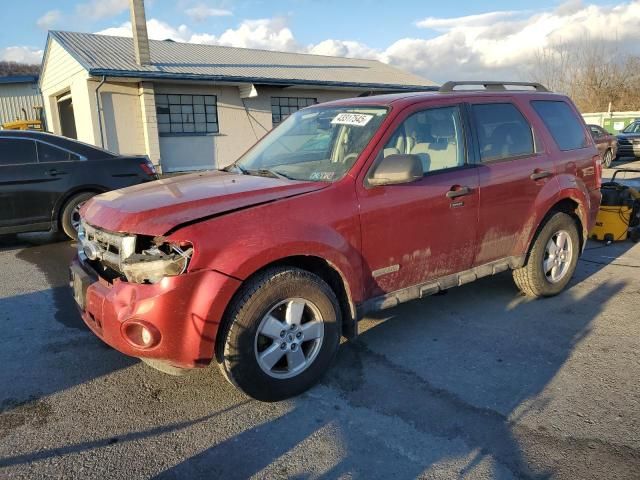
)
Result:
{"points": [[317, 144], [632, 128]]}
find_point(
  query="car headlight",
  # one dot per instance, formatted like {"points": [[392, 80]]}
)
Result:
{"points": [[157, 262]]}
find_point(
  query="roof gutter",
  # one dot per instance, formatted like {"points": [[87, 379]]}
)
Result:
{"points": [[104, 79], [97, 72]]}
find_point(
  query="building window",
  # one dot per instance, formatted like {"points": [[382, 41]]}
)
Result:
{"points": [[187, 114], [282, 107]]}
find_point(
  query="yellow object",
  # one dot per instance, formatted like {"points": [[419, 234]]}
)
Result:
{"points": [[23, 125], [612, 223]]}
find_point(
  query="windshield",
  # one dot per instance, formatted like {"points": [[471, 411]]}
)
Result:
{"points": [[633, 128], [318, 143]]}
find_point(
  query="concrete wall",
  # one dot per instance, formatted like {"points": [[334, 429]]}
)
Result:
{"points": [[122, 118], [17, 96], [241, 124], [600, 117]]}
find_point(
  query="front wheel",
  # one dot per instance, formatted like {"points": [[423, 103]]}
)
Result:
{"points": [[607, 159], [552, 260], [70, 216], [280, 335]]}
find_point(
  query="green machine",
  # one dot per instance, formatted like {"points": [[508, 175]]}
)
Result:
{"points": [[616, 124]]}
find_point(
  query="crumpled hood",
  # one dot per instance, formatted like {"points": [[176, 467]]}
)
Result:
{"points": [[155, 208]]}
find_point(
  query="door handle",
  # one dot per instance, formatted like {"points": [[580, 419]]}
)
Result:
{"points": [[456, 192], [540, 174], [53, 172]]}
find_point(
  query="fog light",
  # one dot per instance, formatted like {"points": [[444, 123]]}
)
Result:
{"points": [[141, 334]]}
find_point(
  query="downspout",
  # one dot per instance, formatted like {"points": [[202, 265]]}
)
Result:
{"points": [[104, 79]]}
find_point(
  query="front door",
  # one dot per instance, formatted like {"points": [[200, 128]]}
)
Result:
{"points": [[513, 172], [19, 184], [423, 230]]}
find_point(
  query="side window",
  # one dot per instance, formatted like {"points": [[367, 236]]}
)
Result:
{"points": [[49, 154], [562, 122], [17, 151], [503, 132], [435, 135], [595, 131]]}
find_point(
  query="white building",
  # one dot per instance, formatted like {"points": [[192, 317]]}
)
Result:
{"points": [[190, 106], [19, 98]]}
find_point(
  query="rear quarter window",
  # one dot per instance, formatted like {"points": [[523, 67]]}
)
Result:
{"points": [[562, 122]]}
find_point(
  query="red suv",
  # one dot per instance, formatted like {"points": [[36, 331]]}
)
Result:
{"points": [[345, 208]]}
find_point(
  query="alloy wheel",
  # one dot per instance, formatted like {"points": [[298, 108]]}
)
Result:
{"points": [[289, 338], [558, 256]]}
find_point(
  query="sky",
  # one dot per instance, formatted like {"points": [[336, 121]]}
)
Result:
{"points": [[437, 40]]}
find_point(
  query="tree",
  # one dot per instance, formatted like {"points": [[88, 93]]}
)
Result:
{"points": [[592, 73], [15, 68]]}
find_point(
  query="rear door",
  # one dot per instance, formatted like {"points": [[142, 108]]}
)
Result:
{"points": [[423, 230], [22, 184], [59, 166], [513, 170]]}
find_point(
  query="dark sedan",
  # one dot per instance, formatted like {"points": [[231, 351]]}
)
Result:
{"points": [[44, 179], [629, 140]]}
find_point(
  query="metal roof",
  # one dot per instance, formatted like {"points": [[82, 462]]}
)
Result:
{"points": [[114, 57], [19, 79]]}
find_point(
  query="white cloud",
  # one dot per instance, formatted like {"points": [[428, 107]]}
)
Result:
{"points": [[21, 54], [49, 19], [493, 45], [480, 20], [156, 29], [343, 48], [99, 9], [268, 34], [202, 12]]}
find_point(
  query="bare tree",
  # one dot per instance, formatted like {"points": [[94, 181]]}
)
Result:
{"points": [[15, 68], [592, 73]]}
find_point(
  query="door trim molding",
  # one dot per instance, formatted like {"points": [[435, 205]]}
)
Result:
{"points": [[431, 287]]}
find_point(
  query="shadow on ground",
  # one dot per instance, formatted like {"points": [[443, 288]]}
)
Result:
{"points": [[431, 383]]}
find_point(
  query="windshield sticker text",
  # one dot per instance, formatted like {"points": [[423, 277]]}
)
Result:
{"points": [[322, 175], [354, 119]]}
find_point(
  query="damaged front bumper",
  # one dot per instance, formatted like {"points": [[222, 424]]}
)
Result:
{"points": [[136, 258], [173, 319]]}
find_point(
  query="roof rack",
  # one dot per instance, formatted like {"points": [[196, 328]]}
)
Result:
{"points": [[493, 86]]}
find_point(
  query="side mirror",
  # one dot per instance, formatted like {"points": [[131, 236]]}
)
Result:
{"points": [[397, 169]]}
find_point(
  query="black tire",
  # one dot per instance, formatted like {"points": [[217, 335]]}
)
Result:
{"points": [[607, 159], [69, 211], [237, 345], [531, 279]]}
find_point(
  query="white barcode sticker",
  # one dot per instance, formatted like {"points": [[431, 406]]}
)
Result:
{"points": [[354, 119]]}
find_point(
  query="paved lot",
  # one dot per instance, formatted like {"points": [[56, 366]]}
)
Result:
{"points": [[477, 383]]}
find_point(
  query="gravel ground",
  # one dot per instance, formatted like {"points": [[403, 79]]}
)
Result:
{"points": [[478, 383]]}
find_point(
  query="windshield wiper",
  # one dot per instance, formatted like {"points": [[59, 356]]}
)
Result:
{"points": [[265, 172]]}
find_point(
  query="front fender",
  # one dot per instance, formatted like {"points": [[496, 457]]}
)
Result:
{"points": [[241, 243]]}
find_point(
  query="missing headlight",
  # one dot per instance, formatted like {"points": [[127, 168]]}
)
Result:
{"points": [[157, 261]]}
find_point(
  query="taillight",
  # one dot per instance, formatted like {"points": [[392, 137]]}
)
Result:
{"points": [[148, 168], [597, 159]]}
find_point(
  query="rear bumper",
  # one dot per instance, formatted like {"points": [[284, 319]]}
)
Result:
{"points": [[185, 312]]}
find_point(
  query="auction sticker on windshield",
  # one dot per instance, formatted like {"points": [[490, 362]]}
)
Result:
{"points": [[354, 119]]}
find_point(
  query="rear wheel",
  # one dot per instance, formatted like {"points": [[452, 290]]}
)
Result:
{"points": [[70, 216], [280, 335], [607, 159], [552, 260]]}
